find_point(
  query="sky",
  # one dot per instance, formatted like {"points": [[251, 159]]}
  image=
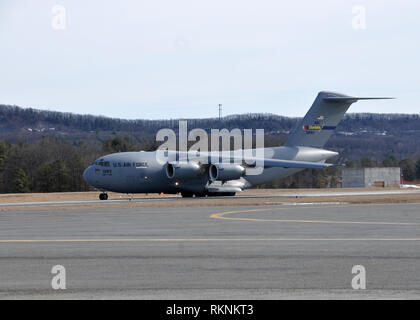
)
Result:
{"points": [[163, 59]]}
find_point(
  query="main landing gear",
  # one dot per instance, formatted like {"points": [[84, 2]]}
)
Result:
{"points": [[186, 194], [103, 196]]}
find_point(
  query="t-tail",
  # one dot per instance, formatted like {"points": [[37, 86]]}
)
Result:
{"points": [[322, 119]]}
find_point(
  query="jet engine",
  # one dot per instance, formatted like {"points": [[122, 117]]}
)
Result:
{"points": [[182, 170], [225, 171]]}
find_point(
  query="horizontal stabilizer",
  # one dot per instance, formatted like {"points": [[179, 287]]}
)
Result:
{"points": [[354, 99]]}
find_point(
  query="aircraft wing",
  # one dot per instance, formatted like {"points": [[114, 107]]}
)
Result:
{"points": [[266, 162], [292, 164]]}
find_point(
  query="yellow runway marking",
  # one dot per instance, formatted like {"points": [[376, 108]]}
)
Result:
{"points": [[222, 216], [199, 240]]}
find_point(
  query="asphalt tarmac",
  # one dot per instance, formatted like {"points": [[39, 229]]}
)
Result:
{"points": [[262, 252]]}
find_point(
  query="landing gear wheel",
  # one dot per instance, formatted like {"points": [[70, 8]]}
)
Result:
{"points": [[200, 195], [186, 194], [222, 194], [103, 196]]}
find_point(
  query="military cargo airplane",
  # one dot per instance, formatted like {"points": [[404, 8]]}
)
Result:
{"points": [[141, 172]]}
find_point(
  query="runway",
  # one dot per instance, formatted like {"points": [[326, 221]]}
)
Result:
{"points": [[214, 252]]}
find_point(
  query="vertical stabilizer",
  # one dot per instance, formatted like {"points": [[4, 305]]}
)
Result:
{"points": [[322, 119]]}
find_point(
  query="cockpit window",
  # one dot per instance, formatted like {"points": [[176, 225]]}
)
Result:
{"points": [[106, 163]]}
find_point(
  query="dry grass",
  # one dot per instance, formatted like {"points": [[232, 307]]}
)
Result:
{"points": [[93, 195], [67, 196], [227, 201]]}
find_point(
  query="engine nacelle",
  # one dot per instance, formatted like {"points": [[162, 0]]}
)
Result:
{"points": [[182, 170], [225, 171]]}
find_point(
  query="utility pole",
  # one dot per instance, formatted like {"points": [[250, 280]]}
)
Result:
{"points": [[220, 112]]}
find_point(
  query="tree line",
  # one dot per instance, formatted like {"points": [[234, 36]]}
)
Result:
{"points": [[53, 165], [358, 135]]}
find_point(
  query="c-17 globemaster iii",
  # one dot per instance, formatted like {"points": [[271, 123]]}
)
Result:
{"points": [[207, 175]]}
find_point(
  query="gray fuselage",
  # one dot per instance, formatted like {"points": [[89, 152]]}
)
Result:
{"points": [[141, 172]]}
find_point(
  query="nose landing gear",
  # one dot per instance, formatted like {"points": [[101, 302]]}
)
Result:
{"points": [[103, 196], [186, 194]]}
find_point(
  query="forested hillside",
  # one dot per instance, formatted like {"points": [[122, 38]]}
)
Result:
{"points": [[47, 151], [375, 135]]}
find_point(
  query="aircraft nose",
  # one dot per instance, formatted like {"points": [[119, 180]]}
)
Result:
{"points": [[87, 174]]}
